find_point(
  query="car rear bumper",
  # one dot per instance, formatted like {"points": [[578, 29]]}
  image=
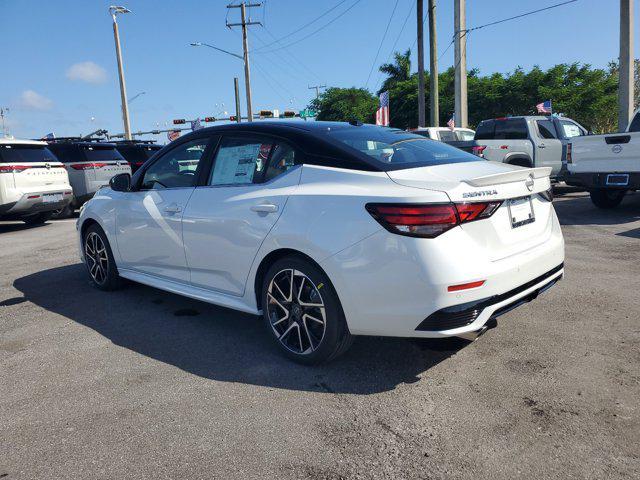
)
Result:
{"points": [[35, 202], [595, 180], [393, 285]]}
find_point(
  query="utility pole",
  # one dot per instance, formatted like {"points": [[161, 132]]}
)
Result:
{"points": [[434, 109], [245, 46], [460, 38], [3, 113], [419, 18], [123, 88], [626, 65], [317, 89], [237, 93]]}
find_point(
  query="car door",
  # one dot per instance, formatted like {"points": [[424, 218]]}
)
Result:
{"points": [[149, 219], [227, 219], [548, 148]]}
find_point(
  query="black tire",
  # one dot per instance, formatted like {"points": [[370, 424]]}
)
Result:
{"points": [[65, 212], [606, 198], [104, 275], [38, 218], [304, 343]]}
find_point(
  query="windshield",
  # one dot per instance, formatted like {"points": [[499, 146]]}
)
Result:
{"points": [[396, 149], [25, 154], [101, 153]]}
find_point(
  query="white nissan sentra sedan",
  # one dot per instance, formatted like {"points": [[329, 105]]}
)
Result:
{"points": [[329, 230]]}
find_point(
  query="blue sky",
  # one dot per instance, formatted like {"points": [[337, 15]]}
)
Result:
{"points": [[59, 69]]}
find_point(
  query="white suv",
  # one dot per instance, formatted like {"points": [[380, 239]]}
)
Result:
{"points": [[33, 183]]}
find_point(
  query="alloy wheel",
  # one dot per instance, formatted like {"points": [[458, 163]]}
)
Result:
{"points": [[96, 257], [296, 311]]}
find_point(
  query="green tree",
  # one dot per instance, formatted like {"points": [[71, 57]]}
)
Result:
{"points": [[397, 72], [345, 104]]}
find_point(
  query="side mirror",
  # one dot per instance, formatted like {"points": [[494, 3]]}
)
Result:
{"points": [[121, 182]]}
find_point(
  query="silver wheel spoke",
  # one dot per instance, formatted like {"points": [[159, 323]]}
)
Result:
{"points": [[97, 258], [303, 310]]}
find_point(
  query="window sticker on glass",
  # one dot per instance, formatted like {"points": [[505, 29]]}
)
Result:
{"points": [[238, 164]]}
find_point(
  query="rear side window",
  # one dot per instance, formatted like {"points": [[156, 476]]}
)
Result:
{"points": [[393, 149], [465, 135], [546, 129], [66, 153], [486, 130], [25, 154], [511, 129]]}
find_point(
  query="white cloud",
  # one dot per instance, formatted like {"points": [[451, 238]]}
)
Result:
{"points": [[87, 72], [34, 101]]}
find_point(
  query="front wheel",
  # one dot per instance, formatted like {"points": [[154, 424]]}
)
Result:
{"points": [[303, 313], [604, 198], [98, 259]]}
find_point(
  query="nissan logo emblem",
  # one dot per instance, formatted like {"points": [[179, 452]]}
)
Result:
{"points": [[47, 166], [616, 148], [529, 182]]}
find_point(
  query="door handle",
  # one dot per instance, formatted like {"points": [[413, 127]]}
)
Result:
{"points": [[265, 208], [173, 208]]}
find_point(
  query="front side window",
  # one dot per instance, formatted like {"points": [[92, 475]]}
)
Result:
{"points": [[177, 168], [465, 135], [570, 129], [447, 136], [241, 161], [394, 149]]}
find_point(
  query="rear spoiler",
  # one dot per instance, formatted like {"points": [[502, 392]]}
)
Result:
{"points": [[508, 177]]}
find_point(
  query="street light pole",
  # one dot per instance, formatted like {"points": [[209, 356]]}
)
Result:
{"points": [[115, 10]]}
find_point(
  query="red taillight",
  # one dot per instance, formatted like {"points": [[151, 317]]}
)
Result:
{"points": [[87, 166], [13, 168], [428, 220], [478, 149], [465, 286]]}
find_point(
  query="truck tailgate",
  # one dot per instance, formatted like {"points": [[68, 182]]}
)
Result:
{"points": [[615, 152]]}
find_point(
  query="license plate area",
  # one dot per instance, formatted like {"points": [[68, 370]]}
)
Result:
{"points": [[52, 198], [617, 179], [520, 211]]}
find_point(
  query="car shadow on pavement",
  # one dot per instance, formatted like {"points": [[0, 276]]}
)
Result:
{"points": [[577, 209], [7, 227], [222, 344]]}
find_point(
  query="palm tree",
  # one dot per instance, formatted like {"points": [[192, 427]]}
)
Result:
{"points": [[399, 71]]}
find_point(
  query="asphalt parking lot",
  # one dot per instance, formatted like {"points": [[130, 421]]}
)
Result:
{"points": [[140, 383]]}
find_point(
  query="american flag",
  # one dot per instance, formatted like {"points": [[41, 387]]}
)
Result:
{"points": [[544, 107], [196, 125], [451, 124], [173, 135], [382, 114]]}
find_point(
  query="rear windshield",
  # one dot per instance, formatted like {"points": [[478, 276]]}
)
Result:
{"points": [[25, 154], [137, 154], [103, 153], [395, 149]]}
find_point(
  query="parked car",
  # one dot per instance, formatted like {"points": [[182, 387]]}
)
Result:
{"points": [[90, 165], [608, 166], [458, 137], [329, 230], [528, 141], [136, 152], [33, 183]]}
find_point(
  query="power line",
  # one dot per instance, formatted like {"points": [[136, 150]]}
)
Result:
{"points": [[396, 42], [384, 36], [315, 31], [520, 16], [305, 25], [294, 57]]}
